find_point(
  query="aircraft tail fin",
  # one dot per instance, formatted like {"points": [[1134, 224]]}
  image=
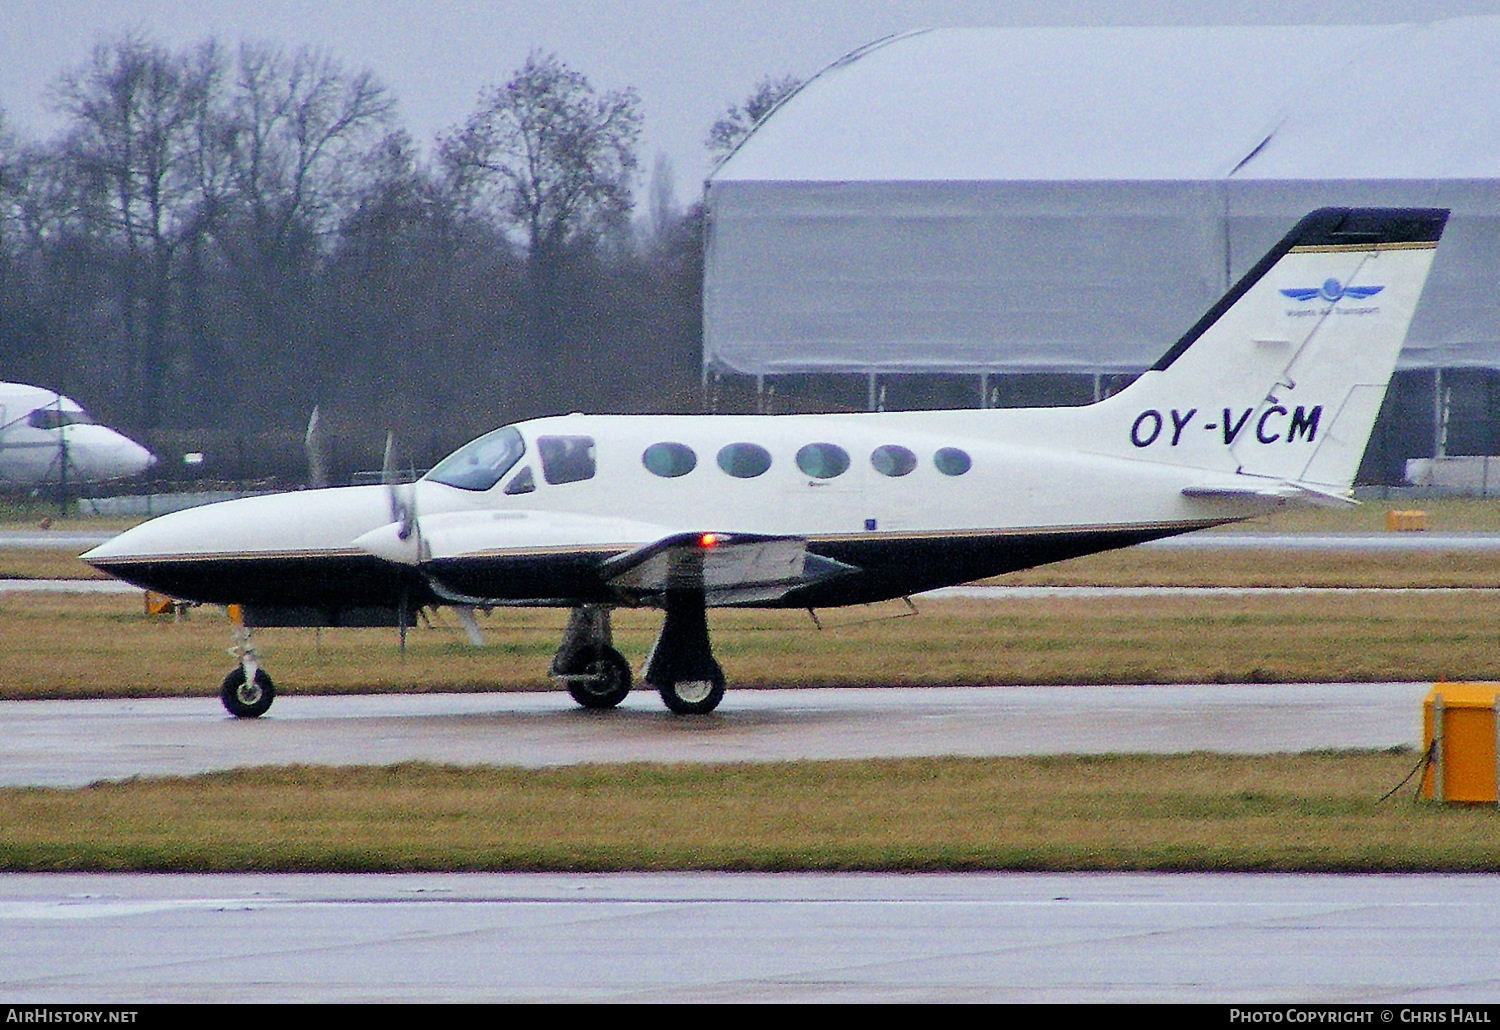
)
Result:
{"points": [[1282, 379]]}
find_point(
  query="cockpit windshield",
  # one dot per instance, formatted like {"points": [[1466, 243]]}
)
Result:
{"points": [[479, 464], [55, 418]]}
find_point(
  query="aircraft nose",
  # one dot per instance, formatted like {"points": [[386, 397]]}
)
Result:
{"points": [[112, 456], [140, 460]]}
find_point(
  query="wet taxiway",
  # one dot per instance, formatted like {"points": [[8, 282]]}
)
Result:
{"points": [[1377, 942], [71, 743]]}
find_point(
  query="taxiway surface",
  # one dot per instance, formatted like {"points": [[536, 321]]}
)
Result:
{"points": [[71, 743], [1375, 942]]}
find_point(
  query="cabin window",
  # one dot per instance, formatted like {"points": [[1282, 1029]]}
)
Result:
{"points": [[566, 459], [823, 460], [669, 460], [744, 460], [951, 461], [52, 418], [893, 460], [479, 464]]}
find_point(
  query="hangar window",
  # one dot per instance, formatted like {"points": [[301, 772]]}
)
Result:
{"points": [[744, 460], [669, 460], [479, 464], [823, 460], [566, 459], [893, 460], [951, 461]]}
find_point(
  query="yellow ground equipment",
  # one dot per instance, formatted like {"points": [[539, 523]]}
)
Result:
{"points": [[1459, 728], [1405, 521]]}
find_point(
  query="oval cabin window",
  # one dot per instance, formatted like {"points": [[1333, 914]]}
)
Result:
{"points": [[744, 460], [669, 460], [893, 460], [951, 461], [823, 460]]}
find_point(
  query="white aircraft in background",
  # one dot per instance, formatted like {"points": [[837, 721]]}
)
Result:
{"points": [[47, 439], [1268, 400]]}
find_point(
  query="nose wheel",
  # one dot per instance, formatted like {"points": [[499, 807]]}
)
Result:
{"points": [[247, 697], [247, 692]]}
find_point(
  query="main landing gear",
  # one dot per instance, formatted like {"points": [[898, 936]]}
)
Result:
{"points": [[681, 666], [587, 663]]}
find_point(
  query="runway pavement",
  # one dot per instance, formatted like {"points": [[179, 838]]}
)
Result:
{"points": [[1373, 944], [71, 743]]}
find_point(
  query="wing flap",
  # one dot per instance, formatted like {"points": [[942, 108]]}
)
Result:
{"points": [[725, 568]]}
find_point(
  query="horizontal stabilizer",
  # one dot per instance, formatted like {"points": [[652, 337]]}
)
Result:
{"points": [[1283, 490], [725, 568]]}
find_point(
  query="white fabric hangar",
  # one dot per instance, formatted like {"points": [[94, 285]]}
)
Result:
{"points": [[1072, 200]]}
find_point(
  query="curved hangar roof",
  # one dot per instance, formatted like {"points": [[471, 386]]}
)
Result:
{"points": [[1073, 199]]}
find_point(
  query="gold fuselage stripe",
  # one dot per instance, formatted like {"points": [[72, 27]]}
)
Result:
{"points": [[1359, 248]]}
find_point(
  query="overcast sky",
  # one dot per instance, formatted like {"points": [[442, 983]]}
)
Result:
{"points": [[688, 59]]}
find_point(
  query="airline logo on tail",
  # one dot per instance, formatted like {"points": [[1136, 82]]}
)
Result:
{"points": [[1332, 291]]}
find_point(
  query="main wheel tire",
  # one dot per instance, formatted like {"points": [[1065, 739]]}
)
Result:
{"points": [[693, 697], [247, 700], [608, 681]]}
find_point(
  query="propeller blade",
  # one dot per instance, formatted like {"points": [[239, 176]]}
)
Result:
{"points": [[403, 497], [316, 445]]}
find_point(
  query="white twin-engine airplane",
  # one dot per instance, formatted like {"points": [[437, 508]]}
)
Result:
{"points": [[46, 439], [1269, 399]]}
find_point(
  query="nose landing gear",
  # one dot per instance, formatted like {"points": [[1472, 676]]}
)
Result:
{"points": [[247, 692]]}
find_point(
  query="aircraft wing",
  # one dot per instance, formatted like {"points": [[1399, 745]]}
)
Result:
{"points": [[729, 568]]}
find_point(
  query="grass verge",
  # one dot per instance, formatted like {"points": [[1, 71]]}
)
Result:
{"points": [[74, 646], [1306, 812]]}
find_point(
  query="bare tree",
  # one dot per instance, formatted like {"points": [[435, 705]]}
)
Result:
{"points": [[292, 140], [548, 154], [296, 128], [551, 161], [741, 119], [134, 110]]}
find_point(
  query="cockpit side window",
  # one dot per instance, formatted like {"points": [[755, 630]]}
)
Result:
{"points": [[52, 418], [566, 459], [522, 482], [479, 464]]}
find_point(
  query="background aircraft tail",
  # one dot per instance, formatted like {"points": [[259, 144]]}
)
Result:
{"points": [[1283, 378]]}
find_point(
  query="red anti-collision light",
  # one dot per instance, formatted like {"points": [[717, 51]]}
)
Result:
{"points": [[708, 540]]}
